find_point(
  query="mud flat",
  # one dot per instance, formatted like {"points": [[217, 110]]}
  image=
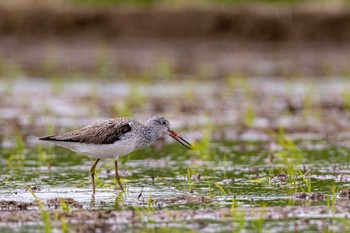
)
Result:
{"points": [[214, 220]]}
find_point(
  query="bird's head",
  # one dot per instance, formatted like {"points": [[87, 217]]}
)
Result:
{"points": [[162, 125]]}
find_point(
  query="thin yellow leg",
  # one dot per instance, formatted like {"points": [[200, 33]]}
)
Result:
{"points": [[117, 175], [92, 172]]}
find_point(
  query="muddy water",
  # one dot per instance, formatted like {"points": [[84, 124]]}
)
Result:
{"points": [[236, 180]]}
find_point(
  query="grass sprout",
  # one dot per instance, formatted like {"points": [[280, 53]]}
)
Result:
{"points": [[150, 205], [292, 157], [307, 180], [259, 222], [122, 108], [238, 217], [209, 186], [17, 157], [42, 155], [203, 146], [64, 225], [222, 190], [189, 180], [249, 115], [45, 215]]}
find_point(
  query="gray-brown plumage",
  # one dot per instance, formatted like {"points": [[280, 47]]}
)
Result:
{"points": [[114, 138], [106, 132]]}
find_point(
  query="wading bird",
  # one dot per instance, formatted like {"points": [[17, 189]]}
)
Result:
{"points": [[115, 138]]}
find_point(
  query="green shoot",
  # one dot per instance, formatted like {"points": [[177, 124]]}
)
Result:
{"points": [[64, 206], [41, 154], [45, 215], [309, 109], [121, 108], [209, 185], [119, 201], [203, 146], [205, 71], [98, 181], [308, 99], [64, 225], [150, 203], [189, 179], [307, 180], [238, 217], [249, 116], [259, 222], [163, 69], [225, 165], [103, 64], [334, 196], [136, 97], [291, 156], [346, 99], [190, 92], [17, 158], [139, 214], [49, 65], [19, 143], [222, 190], [57, 83]]}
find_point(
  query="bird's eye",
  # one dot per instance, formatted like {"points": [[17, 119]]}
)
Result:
{"points": [[163, 123]]}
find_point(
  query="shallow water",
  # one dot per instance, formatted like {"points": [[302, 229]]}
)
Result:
{"points": [[236, 180], [159, 180]]}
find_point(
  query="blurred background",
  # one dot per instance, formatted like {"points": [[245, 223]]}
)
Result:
{"points": [[243, 66]]}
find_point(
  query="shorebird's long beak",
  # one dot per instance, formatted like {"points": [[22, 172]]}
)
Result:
{"points": [[178, 138]]}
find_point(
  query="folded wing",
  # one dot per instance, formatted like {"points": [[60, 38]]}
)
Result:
{"points": [[106, 132]]}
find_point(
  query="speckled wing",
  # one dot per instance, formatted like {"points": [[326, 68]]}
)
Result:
{"points": [[105, 132]]}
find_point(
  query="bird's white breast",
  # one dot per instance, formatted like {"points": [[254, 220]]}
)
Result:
{"points": [[115, 150]]}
